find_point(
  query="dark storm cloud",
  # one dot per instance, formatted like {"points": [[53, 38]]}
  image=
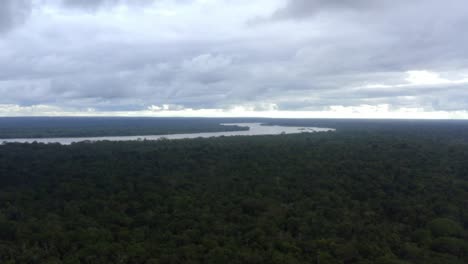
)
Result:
{"points": [[13, 13]]}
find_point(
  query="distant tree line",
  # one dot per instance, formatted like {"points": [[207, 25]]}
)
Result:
{"points": [[46, 127]]}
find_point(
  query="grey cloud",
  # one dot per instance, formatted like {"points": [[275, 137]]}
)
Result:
{"points": [[289, 60], [298, 9], [13, 13], [88, 4], [93, 5], [96, 4]]}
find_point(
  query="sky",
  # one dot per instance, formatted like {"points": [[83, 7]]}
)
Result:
{"points": [[215, 58]]}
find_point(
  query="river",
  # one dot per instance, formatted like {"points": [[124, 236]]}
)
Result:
{"points": [[255, 129]]}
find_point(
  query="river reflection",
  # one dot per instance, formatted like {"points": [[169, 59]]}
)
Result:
{"points": [[254, 130]]}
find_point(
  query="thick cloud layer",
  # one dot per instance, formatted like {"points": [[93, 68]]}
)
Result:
{"points": [[298, 9], [266, 55], [96, 4], [13, 13]]}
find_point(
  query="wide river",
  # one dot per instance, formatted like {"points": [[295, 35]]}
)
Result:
{"points": [[255, 129]]}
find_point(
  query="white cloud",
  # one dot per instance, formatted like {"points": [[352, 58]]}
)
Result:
{"points": [[425, 77], [337, 111]]}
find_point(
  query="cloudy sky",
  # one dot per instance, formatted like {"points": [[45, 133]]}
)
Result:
{"points": [[279, 58]]}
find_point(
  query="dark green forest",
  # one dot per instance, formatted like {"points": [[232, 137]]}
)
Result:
{"points": [[44, 127], [387, 193]]}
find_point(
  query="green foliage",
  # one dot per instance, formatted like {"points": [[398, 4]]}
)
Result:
{"points": [[450, 245], [344, 197], [445, 227]]}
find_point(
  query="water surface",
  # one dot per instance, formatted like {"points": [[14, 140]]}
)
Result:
{"points": [[255, 129]]}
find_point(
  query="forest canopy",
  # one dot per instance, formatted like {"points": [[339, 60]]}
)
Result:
{"points": [[380, 194]]}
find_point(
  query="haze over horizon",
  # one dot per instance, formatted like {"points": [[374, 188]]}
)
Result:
{"points": [[225, 58]]}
